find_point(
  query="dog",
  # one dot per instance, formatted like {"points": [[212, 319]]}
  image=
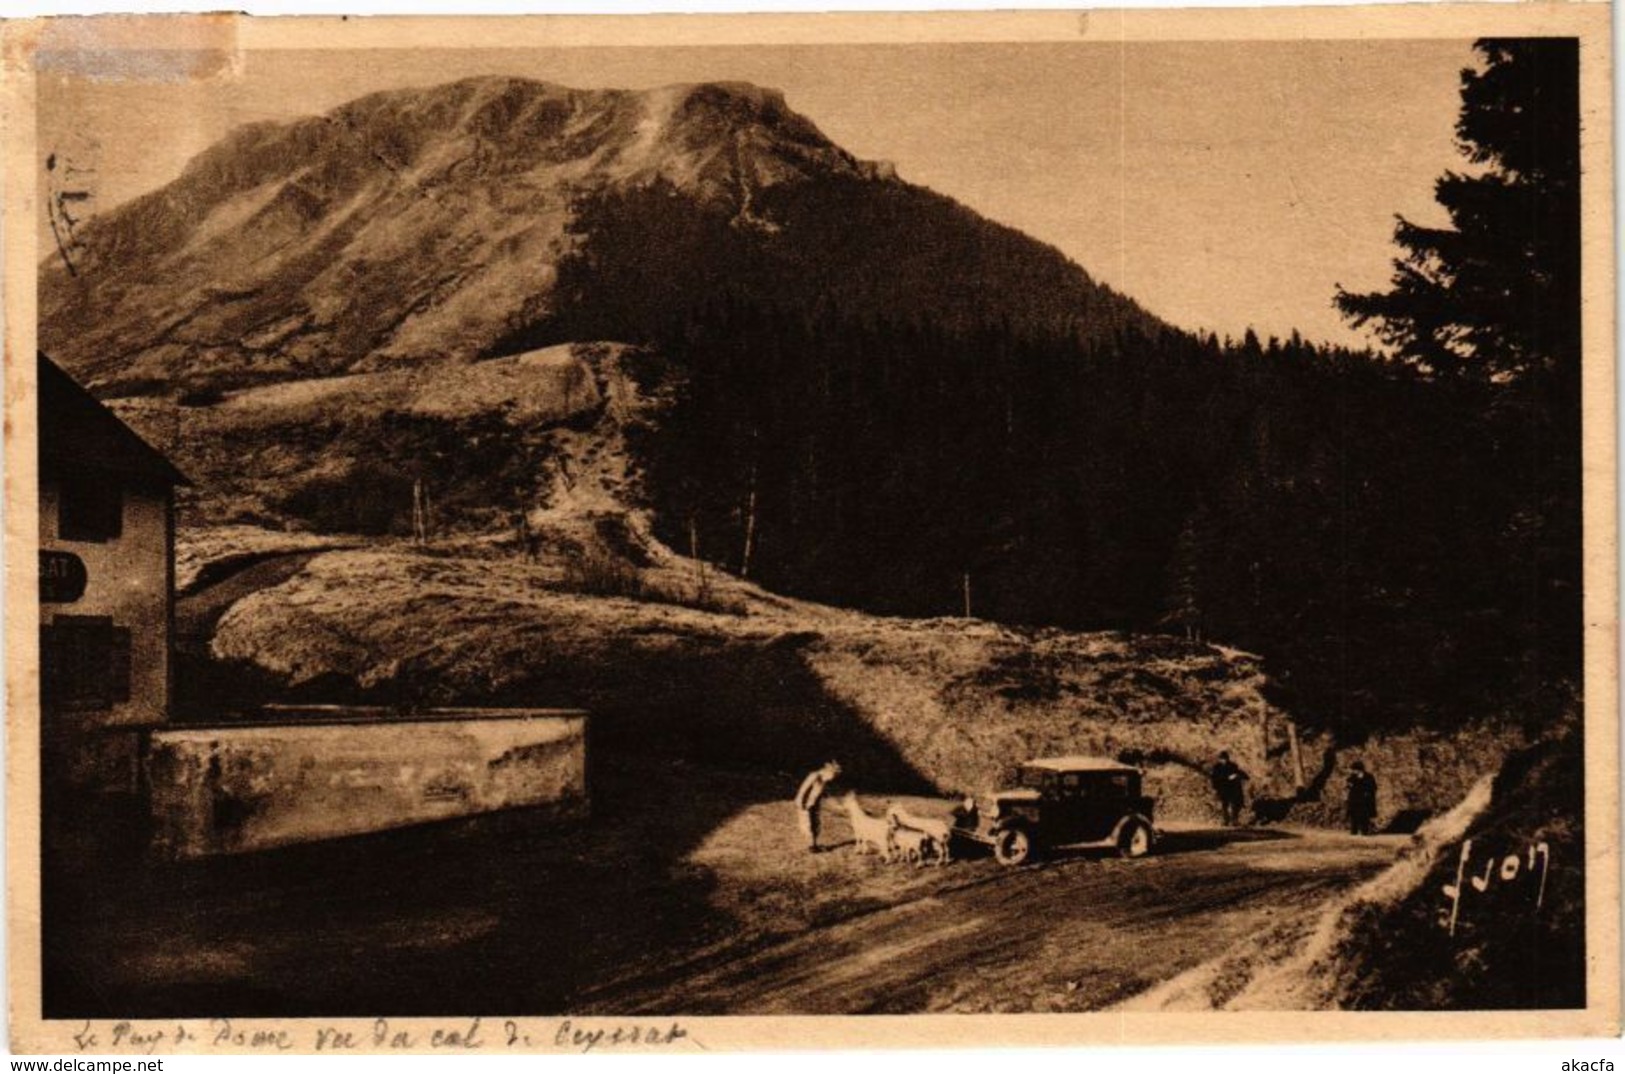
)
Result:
{"points": [[877, 833], [939, 831], [915, 846]]}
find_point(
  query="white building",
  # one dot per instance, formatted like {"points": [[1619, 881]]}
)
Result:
{"points": [[106, 517]]}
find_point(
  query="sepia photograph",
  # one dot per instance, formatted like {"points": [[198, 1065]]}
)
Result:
{"points": [[639, 520]]}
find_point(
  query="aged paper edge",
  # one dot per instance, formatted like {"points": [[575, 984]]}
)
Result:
{"points": [[229, 35]]}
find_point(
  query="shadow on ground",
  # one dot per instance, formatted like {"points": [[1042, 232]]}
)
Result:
{"points": [[513, 913], [510, 912], [1188, 841]]}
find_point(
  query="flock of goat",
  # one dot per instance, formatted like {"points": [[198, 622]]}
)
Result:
{"points": [[899, 835]]}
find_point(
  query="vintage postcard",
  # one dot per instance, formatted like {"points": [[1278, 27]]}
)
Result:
{"points": [[673, 532]]}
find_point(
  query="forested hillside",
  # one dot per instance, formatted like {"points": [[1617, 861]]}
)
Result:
{"points": [[1363, 525]]}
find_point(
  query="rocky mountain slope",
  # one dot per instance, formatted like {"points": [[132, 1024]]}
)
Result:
{"points": [[420, 225], [537, 431]]}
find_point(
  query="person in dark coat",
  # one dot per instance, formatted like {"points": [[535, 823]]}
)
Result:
{"points": [[1362, 800], [1229, 783], [967, 816], [808, 797]]}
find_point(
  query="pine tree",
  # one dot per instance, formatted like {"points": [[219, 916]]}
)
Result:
{"points": [[1492, 304], [1496, 295], [1184, 597]]}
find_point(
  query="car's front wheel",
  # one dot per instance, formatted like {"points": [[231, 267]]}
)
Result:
{"points": [[1135, 842], [1013, 846]]}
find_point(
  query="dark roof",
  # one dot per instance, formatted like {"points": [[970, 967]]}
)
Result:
{"points": [[77, 432]]}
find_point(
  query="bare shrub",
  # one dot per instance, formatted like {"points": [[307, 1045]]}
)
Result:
{"points": [[605, 575]]}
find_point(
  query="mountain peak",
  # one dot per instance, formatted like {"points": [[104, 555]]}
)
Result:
{"points": [[423, 224], [716, 136]]}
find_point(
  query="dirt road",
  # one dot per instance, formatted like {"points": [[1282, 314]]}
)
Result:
{"points": [[1066, 935], [710, 908]]}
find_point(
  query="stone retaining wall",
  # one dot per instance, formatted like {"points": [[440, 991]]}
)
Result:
{"points": [[322, 773]]}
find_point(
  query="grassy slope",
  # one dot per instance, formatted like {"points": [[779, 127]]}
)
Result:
{"points": [[766, 682]]}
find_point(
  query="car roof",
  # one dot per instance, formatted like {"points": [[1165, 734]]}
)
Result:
{"points": [[1080, 764]]}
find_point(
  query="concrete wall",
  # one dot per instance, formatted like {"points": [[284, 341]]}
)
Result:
{"points": [[128, 582], [233, 788]]}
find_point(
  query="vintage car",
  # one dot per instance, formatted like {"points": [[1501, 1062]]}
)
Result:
{"points": [[1065, 803]]}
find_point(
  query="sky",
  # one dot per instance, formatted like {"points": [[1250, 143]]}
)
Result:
{"points": [[1223, 185]]}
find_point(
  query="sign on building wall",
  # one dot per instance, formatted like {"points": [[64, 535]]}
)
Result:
{"points": [[62, 577]]}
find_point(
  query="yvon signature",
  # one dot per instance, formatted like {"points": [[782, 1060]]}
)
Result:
{"points": [[1520, 871]]}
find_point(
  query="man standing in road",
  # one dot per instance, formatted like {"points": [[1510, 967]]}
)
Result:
{"points": [[807, 799], [1362, 799], [1229, 783], [967, 816]]}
